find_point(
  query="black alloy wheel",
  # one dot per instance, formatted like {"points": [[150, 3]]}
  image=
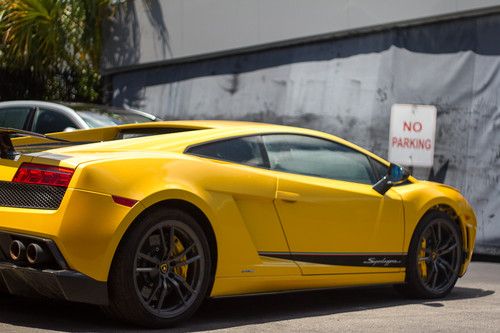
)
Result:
{"points": [[162, 271], [435, 257]]}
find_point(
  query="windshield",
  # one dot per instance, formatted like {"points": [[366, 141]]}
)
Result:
{"points": [[108, 118]]}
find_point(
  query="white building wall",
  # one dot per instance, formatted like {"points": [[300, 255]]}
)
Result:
{"points": [[160, 30]]}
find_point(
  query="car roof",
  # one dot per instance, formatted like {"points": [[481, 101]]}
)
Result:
{"points": [[214, 123], [42, 104], [224, 129], [221, 128], [210, 130], [195, 132]]}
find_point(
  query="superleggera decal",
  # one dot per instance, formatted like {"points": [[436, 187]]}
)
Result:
{"points": [[343, 259]]}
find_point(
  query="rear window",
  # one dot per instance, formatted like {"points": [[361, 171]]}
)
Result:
{"points": [[102, 119], [14, 117]]}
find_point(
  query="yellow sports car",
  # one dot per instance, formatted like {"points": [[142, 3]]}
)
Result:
{"points": [[149, 220]]}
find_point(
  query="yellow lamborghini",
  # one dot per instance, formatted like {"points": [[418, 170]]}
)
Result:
{"points": [[149, 220]]}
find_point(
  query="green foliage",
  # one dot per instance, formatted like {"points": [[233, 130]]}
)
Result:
{"points": [[50, 49]]}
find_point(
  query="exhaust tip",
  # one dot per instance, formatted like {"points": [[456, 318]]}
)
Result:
{"points": [[35, 254], [17, 250]]}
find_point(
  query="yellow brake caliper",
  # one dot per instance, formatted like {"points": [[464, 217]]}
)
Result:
{"points": [[178, 249]]}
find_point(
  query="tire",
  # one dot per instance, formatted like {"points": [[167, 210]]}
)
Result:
{"points": [[434, 258], [162, 270]]}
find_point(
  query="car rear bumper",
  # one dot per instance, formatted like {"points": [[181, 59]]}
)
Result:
{"points": [[60, 284], [50, 277], [86, 229]]}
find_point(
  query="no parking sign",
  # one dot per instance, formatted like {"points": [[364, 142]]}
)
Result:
{"points": [[412, 134]]}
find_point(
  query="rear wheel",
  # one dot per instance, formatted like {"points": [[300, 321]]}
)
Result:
{"points": [[162, 271], [434, 258]]}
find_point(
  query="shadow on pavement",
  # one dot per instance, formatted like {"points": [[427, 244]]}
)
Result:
{"points": [[219, 313]]}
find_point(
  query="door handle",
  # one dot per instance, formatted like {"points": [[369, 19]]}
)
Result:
{"points": [[287, 196]]}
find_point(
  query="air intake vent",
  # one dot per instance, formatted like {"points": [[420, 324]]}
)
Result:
{"points": [[30, 196]]}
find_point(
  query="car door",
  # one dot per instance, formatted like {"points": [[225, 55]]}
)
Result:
{"points": [[333, 220], [246, 192]]}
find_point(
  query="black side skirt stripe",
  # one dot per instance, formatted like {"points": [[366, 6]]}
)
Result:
{"points": [[342, 259]]}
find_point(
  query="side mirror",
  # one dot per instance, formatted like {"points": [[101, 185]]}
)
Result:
{"points": [[396, 174]]}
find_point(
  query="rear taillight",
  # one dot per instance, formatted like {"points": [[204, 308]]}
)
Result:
{"points": [[30, 173]]}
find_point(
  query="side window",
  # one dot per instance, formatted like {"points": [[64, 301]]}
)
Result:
{"points": [[380, 169], [245, 150], [48, 121], [14, 117], [317, 157]]}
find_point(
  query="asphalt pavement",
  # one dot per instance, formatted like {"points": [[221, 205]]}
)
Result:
{"points": [[473, 306]]}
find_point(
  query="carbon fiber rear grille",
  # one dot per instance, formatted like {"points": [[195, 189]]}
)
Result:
{"points": [[30, 196]]}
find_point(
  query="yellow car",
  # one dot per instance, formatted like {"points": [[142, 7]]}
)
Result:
{"points": [[149, 220]]}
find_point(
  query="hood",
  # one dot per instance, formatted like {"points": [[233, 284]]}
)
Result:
{"points": [[427, 182]]}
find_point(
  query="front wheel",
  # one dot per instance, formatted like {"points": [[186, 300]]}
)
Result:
{"points": [[435, 257], [162, 270]]}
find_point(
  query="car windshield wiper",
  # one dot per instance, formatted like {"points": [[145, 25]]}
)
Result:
{"points": [[7, 150]]}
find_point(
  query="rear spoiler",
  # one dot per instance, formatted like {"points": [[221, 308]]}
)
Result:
{"points": [[7, 150]]}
